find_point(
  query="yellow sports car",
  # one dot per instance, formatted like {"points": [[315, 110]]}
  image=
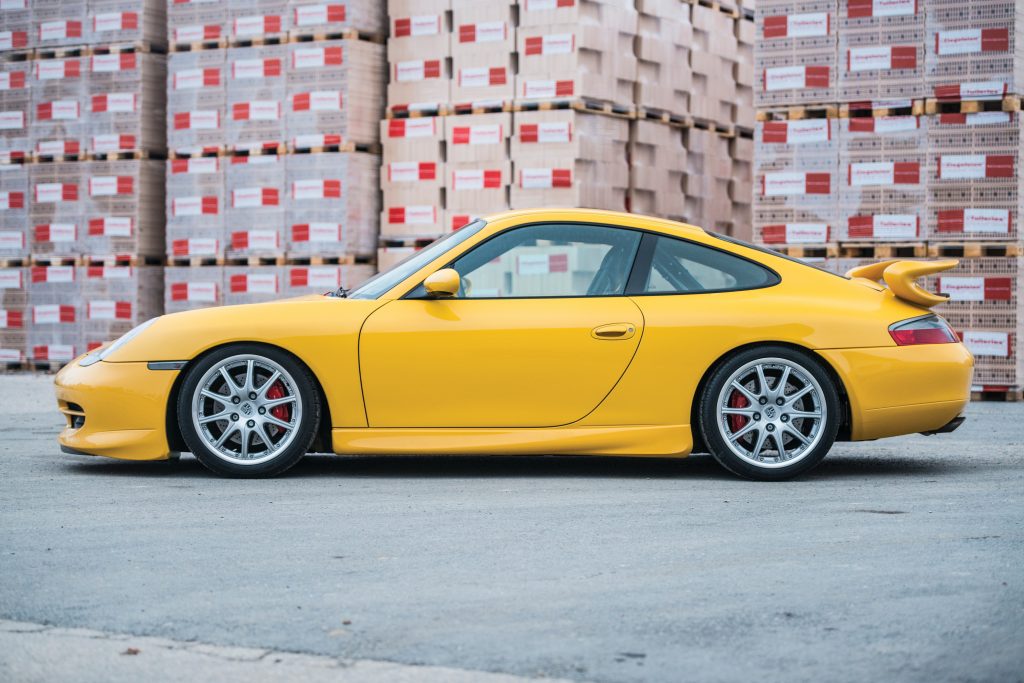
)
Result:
{"points": [[557, 331]]}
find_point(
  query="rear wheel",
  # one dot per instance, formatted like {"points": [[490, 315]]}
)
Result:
{"points": [[770, 413], [248, 411]]}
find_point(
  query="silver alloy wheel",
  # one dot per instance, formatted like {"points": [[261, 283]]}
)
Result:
{"points": [[246, 409], [771, 412]]}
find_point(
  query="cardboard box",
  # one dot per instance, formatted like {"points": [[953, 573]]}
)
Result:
{"points": [[197, 100], [254, 216]]}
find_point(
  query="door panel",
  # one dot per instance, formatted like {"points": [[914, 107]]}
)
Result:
{"points": [[493, 363]]}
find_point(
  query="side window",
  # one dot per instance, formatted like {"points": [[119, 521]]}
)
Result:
{"points": [[553, 260], [685, 267]]}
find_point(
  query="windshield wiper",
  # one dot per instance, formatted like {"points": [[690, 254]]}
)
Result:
{"points": [[340, 293]]}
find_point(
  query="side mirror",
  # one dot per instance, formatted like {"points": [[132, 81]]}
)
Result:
{"points": [[443, 283]]}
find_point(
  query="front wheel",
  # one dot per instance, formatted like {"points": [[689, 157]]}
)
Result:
{"points": [[248, 411], [770, 413]]}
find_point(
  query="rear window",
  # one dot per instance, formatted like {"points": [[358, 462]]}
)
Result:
{"points": [[765, 250]]}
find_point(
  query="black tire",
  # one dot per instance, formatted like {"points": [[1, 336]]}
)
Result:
{"points": [[715, 432], [306, 425]]}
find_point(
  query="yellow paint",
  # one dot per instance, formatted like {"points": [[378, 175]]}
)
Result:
{"points": [[535, 375], [900, 276]]}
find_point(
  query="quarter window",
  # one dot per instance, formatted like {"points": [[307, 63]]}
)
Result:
{"points": [[678, 266]]}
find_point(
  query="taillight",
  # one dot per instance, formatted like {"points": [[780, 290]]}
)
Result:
{"points": [[930, 329]]}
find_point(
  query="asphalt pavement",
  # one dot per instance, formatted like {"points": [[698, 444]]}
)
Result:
{"points": [[897, 560]]}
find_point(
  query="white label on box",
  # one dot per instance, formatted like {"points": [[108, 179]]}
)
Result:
{"points": [[963, 288], [5, 201], [50, 69], [542, 5], [418, 128], [63, 232], [313, 58], [263, 239], [983, 90], [10, 278], [872, 173], [961, 42], [60, 352], [785, 78], [264, 110], [312, 188], [109, 63], [325, 100], [11, 240], [806, 233], [425, 25], [410, 71], [51, 146], [12, 120], [116, 226], [46, 314], [533, 264], [869, 58], [419, 214], [557, 44], [807, 131], [60, 274], [475, 77], [807, 25], [988, 118], [48, 193], [987, 220], [13, 4], [101, 310], [490, 134], [106, 143], [10, 356], [250, 26], [323, 277], [201, 291], [894, 226], [893, 8], [202, 246], [404, 171], [108, 21], [249, 68], [987, 343], [204, 120], [539, 89], [187, 206], [201, 165], [784, 183], [961, 166], [311, 15], [490, 31], [245, 197], [261, 283], [53, 30], [896, 124], [468, 179], [121, 102], [190, 34], [64, 110], [189, 79], [554, 132], [103, 186], [324, 232]]}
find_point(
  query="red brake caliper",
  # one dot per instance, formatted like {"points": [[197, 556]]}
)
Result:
{"points": [[737, 400], [282, 412]]}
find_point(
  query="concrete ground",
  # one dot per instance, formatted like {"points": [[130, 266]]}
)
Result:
{"points": [[899, 560]]}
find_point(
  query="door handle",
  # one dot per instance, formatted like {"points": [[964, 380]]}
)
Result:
{"points": [[614, 331]]}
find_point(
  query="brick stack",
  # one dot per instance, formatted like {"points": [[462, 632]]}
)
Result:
{"points": [[795, 52], [926, 152], [273, 113]]}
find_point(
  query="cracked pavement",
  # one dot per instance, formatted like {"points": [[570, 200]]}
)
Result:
{"points": [[896, 560]]}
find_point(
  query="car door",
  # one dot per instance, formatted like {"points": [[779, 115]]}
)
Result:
{"points": [[538, 335]]}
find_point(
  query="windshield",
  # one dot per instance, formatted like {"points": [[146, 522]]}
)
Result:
{"points": [[382, 283]]}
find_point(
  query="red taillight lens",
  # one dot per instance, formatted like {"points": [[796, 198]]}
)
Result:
{"points": [[930, 329]]}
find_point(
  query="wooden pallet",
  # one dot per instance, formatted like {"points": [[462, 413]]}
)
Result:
{"points": [[15, 366], [662, 116], [259, 41], [805, 250], [14, 261], [402, 112], [60, 52], [348, 146], [24, 55], [850, 110], [486, 108], [973, 249], [58, 158], [1004, 394], [623, 111], [194, 261], [277, 260], [125, 48], [126, 155], [49, 366], [725, 130], [940, 106], [205, 153], [53, 260], [121, 260], [713, 4], [803, 111], [199, 45], [883, 250], [298, 35], [273, 150], [323, 260]]}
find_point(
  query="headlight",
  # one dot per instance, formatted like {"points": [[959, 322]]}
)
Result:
{"points": [[100, 354]]}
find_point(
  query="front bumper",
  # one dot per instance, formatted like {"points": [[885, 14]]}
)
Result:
{"points": [[125, 409]]}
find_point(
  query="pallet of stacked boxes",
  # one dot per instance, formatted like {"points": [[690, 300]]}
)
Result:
{"points": [[567, 157], [743, 74], [58, 94], [332, 206], [255, 98], [58, 23], [975, 50], [335, 95], [16, 25], [795, 52], [257, 22], [713, 58], [327, 19], [197, 24], [986, 311], [741, 187], [116, 299], [196, 101], [478, 172], [483, 44], [251, 284], [195, 210], [418, 54], [882, 171], [14, 315], [55, 304], [15, 107], [881, 50], [137, 22], [657, 170], [123, 92], [795, 185], [14, 225], [974, 186], [412, 180], [254, 216], [188, 288], [578, 51], [708, 179], [300, 280], [58, 193], [664, 77], [123, 214]]}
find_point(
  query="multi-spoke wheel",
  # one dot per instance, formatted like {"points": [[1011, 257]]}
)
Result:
{"points": [[770, 413], [248, 411]]}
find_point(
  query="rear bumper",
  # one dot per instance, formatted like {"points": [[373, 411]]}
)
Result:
{"points": [[903, 389], [950, 426], [124, 406]]}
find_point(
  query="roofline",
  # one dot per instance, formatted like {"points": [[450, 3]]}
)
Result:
{"points": [[593, 215]]}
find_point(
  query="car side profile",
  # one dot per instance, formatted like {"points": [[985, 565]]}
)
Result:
{"points": [[539, 332]]}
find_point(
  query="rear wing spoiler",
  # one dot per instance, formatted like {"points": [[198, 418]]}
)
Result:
{"points": [[899, 277]]}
